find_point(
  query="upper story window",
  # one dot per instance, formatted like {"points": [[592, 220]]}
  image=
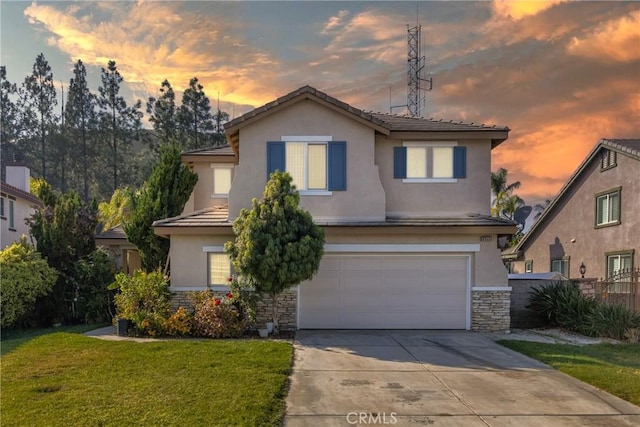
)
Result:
{"points": [[317, 164], [609, 160], [11, 215], [2, 207], [221, 179], [608, 208], [429, 162]]}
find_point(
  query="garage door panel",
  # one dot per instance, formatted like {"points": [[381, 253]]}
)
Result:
{"points": [[373, 291]]}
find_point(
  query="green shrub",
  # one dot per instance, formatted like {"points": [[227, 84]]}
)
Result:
{"points": [[93, 275], [245, 299], [25, 278], [178, 324], [216, 317], [613, 321], [562, 304], [143, 298]]}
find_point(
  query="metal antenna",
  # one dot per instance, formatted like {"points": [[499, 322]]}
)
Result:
{"points": [[416, 83]]}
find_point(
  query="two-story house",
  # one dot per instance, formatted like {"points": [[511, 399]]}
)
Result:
{"points": [[404, 203], [16, 205], [593, 222]]}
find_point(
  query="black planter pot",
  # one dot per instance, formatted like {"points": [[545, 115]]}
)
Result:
{"points": [[122, 327]]}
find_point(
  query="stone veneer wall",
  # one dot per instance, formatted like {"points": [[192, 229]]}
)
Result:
{"points": [[286, 307], [490, 310]]}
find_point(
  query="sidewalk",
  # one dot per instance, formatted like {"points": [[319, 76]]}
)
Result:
{"points": [[108, 333]]}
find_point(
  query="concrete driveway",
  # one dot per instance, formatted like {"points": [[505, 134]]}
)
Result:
{"points": [[439, 378]]}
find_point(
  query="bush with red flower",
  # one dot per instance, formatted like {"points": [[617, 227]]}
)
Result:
{"points": [[217, 317]]}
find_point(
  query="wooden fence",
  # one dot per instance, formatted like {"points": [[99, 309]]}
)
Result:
{"points": [[623, 288]]}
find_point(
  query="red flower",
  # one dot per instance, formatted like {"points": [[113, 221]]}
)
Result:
{"points": [[229, 295], [216, 301], [230, 279]]}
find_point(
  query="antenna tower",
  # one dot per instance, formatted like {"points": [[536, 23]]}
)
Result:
{"points": [[416, 83]]}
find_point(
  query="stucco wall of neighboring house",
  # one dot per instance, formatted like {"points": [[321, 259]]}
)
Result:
{"points": [[203, 195], [470, 194], [189, 261], [574, 218], [21, 209], [364, 198]]}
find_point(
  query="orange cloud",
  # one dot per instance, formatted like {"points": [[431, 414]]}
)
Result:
{"points": [[617, 40], [518, 9]]}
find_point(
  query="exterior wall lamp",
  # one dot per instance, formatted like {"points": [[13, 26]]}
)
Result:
{"points": [[583, 269]]}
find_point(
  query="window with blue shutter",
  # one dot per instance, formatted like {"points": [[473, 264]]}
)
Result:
{"points": [[459, 162], [314, 165], [275, 157], [337, 161], [399, 162]]}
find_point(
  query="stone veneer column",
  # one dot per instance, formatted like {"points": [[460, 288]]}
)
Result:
{"points": [[490, 309]]}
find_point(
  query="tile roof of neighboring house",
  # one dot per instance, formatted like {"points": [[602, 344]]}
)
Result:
{"points": [[627, 147], [116, 232], [15, 191], [384, 123], [222, 150], [219, 216]]}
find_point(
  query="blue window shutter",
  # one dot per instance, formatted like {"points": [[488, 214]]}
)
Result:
{"points": [[275, 157], [459, 162], [400, 162], [337, 157]]}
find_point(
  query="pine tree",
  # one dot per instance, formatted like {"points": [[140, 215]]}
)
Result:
{"points": [[194, 117], [10, 120], [163, 195], [163, 113]]}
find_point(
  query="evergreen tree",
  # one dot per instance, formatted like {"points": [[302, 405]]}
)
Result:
{"points": [[10, 120], [277, 244], [39, 100], [194, 117], [118, 119], [163, 195], [80, 117], [163, 113]]}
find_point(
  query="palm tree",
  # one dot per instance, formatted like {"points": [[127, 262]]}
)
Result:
{"points": [[540, 208], [502, 193]]}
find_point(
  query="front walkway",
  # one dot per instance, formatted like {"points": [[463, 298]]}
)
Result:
{"points": [[441, 378]]}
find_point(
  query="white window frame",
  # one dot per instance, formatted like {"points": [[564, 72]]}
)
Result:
{"points": [[311, 140], [528, 266], [429, 161], [12, 218], [226, 166], [2, 207], [216, 250], [607, 195], [564, 265]]}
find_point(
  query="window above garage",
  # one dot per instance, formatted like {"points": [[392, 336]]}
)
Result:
{"points": [[418, 162]]}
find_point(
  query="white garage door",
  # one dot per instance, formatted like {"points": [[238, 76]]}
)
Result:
{"points": [[386, 292]]}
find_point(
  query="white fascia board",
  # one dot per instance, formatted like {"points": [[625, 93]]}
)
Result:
{"points": [[403, 248], [213, 249], [306, 138]]}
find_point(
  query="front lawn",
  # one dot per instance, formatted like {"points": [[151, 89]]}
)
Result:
{"points": [[64, 379], [614, 368]]}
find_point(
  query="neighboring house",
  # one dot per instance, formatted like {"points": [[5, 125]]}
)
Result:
{"points": [[403, 202], [593, 221], [16, 205], [124, 253]]}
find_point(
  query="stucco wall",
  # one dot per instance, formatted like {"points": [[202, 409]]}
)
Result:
{"points": [[470, 194], [202, 196], [571, 231], [364, 198], [189, 261], [22, 209]]}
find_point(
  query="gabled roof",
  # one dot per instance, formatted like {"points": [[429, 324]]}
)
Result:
{"points": [[208, 217], [220, 150], [383, 123], [627, 147], [16, 192], [116, 232]]}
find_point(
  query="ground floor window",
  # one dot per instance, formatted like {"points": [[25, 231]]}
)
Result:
{"points": [[618, 263], [528, 266], [561, 265], [219, 269]]}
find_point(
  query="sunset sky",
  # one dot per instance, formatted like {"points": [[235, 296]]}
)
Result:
{"points": [[560, 74]]}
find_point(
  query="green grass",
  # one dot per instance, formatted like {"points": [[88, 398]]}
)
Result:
{"points": [[614, 368], [12, 339], [65, 379]]}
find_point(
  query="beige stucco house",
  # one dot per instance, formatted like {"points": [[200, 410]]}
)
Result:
{"points": [[16, 205], [123, 252], [593, 221], [403, 202]]}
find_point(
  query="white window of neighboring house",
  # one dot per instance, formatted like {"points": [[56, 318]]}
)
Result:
{"points": [[306, 162], [219, 269], [608, 208], [417, 161], [11, 215], [617, 263], [221, 179], [528, 266], [561, 266]]}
